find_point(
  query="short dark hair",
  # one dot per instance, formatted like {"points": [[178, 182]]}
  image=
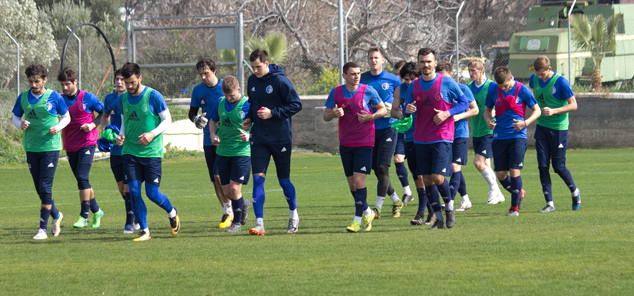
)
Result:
{"points": [[541, 63], [398, 66], [259, 54], [229, 84], [502, 74], [130, 69], [349, 65], [118, 72], [36, 70], [409, 69], [426, 51], [444, 66], [206, 63], [376, 49], [67, 74]]}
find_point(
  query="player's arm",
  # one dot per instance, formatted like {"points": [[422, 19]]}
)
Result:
{"points": [[375, 102], [105, 119], [62, 110], [17, 115], [410, 107], [572, 106], [213, 126], [530, 101], [332, 110], [472, 111], [396, 104], [489, 103], [291, 103]]}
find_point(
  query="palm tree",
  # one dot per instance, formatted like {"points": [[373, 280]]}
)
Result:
{"points": [[273, 42], [598, 36]]}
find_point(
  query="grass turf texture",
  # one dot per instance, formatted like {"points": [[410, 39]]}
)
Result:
{"points": [[587, 252]]}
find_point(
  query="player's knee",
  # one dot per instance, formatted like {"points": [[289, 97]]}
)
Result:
{"points": [[501, 175], [559, 166], [258, 180], [46, 198], [286, 183], [383, 170], [455, 167]]}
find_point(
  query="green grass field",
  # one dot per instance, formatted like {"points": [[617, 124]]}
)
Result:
{"points": [[588, 252]]}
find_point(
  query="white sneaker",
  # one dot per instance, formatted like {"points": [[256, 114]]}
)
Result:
{"points": [[137, 226], [56, 224], [495, 198], [41, 234], [464, 206]]}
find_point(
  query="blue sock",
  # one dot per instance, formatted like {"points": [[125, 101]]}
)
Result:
{"points": [[54, 211], [158, 198], [516, 188], [94, 207], [454, 184], [258, 196], [506, 183], [360, 199], [544, 178], [237, 209], [430, 209], [434, 198], [462, 189], [138, 205], [422, 200], [85, 207], [443, 189], [354, 195], [44, 214], [401, 172], [129, 214], [289, 193]]}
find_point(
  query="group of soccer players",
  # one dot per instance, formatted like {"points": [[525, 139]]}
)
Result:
{"points": [[419, 116]]}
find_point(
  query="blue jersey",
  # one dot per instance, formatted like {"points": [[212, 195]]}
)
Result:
{"points": [[384, 84], [561, 88], [207, 98], [91, 102], [370, 97], [55, 104], [228, 107], [504, 122], [409, 134], [156, 102], [462, 126], [111, 105]]}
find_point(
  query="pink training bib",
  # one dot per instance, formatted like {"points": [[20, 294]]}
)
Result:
{"points": [[73, 136], [510, 102], [426, 101], [353, 133]]}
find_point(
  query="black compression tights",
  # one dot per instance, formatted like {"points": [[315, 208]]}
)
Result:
{"points": [[384, 185]]}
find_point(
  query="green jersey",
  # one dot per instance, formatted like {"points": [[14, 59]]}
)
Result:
{"points": [[36, 138], [229, 130], [545, 98], [138, 120], [479, 127]]}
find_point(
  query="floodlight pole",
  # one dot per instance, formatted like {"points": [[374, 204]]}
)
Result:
{"points": [[78, 57], [17, 73], [569, 41], [341, 48], [458, 42]]}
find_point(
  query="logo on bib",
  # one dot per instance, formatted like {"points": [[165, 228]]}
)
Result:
{"points": [[438, 97], [269, 89], [385, 86], [554, 90], [49, 106]]}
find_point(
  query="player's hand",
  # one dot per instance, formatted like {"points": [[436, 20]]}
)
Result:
{"points": [[365, 116], [264, 113], [519, 125], [215, 140], [457, 117], [491, 123], [246, 124], [146, 138], [492, 113], [244, 136], [410, 109], [120, 140], [441, 116], [337, 112], [87, 127], [25, 124], [388, 106], [547, 111], [201, 121], [53, 130]]}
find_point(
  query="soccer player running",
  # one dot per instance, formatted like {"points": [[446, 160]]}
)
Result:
{"points": [[385, 136], [112, 114], [352, 104], [234, 151], [206, 95], [80, 138], [273, 101], [401, 125], [480, 87], [41, 108], [554, 95], [460, 145], [510, 99], [431, 97], [145, 117]]}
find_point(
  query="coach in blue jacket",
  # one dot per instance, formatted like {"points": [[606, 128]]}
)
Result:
{"points": [[273, 101]]}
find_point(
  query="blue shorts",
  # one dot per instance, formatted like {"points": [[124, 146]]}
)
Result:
{"points": [[410, 155], [233, 168], [116, 165], [80, 162], [142, 169], [210, 158], [261, 156], [460, 151], [482, 146], [356, 159], [550, 143], [42, 166], [434, 159], [400, 145], [509, 154], [384, 145]]}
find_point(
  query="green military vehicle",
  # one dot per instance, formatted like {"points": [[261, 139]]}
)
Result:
{"points": [[547, 34]]}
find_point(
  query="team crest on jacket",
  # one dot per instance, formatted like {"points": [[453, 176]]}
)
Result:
{"points": [[243, 115], [554, 90], [49, 106], [269, 89], [385, 86]]}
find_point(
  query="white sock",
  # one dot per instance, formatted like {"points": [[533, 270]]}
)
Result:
{"points": [[439, 216], [357, 219], [465, 198], [449, 205], [550, 203], [146, 230], [394, 197], [407, 190], [574, 194], [379, 201], [172, 214], [367, 212], [259, 221], [224, 208], [489, 176], [294, 215], [229, 210]]}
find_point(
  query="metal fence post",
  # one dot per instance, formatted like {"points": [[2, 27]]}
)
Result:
{"points": [[127, 40], [240, 51], [341, 46], [458, 43], [570, 77], [17, 58], [78, 58], [346, 32]]}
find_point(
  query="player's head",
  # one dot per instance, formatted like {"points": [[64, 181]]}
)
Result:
{"points": [[409, 72], [444, 68], [131, 73], [351, 73], [207, 71], [231, 89], [259, 60], [504, 78], [476, 69], [376, 58], [397, 68], [427, 61], [36, 74], [542, 67], [68, 80], [119, 83]]}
